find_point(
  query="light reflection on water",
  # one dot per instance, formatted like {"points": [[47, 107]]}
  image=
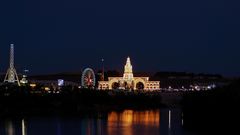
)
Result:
{"points": [[9, 128], [127, 122], [23, 127]]}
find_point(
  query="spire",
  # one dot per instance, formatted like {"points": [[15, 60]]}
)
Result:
{"points": [[128, 66], [128, 73]]}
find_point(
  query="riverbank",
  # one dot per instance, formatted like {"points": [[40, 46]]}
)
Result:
{"points": [[215, 111], [22, 102]]}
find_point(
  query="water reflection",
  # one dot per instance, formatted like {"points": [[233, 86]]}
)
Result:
{"points": [[127, 122], [182, 119], [169, 120], [23, 127], [9, 128]]}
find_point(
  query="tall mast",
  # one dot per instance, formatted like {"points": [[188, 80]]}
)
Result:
{"points": [[11, 75]]}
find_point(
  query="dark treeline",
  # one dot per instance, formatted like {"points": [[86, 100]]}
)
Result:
{"points": [[115, 73], [186, 74], [16, 100], [215, 111], [185, 79], [173, 79]]}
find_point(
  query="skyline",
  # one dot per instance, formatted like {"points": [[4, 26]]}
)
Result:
{"points": [[186, 36], [100, 68]]}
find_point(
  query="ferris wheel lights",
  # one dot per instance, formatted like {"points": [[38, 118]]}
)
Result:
{"points": [[88, 78]]}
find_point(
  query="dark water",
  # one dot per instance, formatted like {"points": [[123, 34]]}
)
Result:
{"points": [[127, 122]]}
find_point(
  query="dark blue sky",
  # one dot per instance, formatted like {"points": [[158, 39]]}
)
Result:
{"points": [[164, 35]]}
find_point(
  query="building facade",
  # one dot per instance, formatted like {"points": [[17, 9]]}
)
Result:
{"points": [[128, 81]]}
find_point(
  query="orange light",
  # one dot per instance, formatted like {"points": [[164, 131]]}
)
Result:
{"points": [[32, 85]]}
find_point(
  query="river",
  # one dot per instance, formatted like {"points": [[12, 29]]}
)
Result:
{"points": [[127, 122]]}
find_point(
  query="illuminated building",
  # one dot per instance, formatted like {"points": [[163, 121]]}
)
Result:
{"points": [[60, 82], [128, 81], [24, 80]]}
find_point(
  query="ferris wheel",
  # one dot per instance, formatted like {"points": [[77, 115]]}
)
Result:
{"points": [[88, 78]]}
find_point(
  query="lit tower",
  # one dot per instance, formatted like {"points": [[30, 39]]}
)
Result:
{"points": [[102, 70], [11, 76], [128, 74]]}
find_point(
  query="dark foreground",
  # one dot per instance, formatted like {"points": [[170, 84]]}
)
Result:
{"points": [[21, 101], [213, 112], [205, 112]]}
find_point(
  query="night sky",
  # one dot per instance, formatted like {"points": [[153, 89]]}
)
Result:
{"points": [[51, 36]]}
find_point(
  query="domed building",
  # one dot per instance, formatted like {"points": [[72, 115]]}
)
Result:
{"points": [[128, 81]]}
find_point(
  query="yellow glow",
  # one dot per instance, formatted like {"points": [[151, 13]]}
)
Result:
{"points": [[128, 81], [129, 118], [47, 88], [32, 85], [128, 74]]}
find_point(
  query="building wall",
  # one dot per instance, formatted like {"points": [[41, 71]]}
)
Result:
{"points": [[148, 85], [103, 85], [153, 85]]}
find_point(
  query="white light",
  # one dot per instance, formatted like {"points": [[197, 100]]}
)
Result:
{"points": [[23, 127], [169, 119], [60, 82], [182, 120]]}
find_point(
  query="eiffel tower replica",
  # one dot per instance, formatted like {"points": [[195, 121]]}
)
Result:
{"points": [[11, 76]]}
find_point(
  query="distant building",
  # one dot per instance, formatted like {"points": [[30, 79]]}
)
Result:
{"points": [[128, 81], [54, 83]]}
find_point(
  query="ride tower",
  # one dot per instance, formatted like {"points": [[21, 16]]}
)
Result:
{"points": [[11, 76]]}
